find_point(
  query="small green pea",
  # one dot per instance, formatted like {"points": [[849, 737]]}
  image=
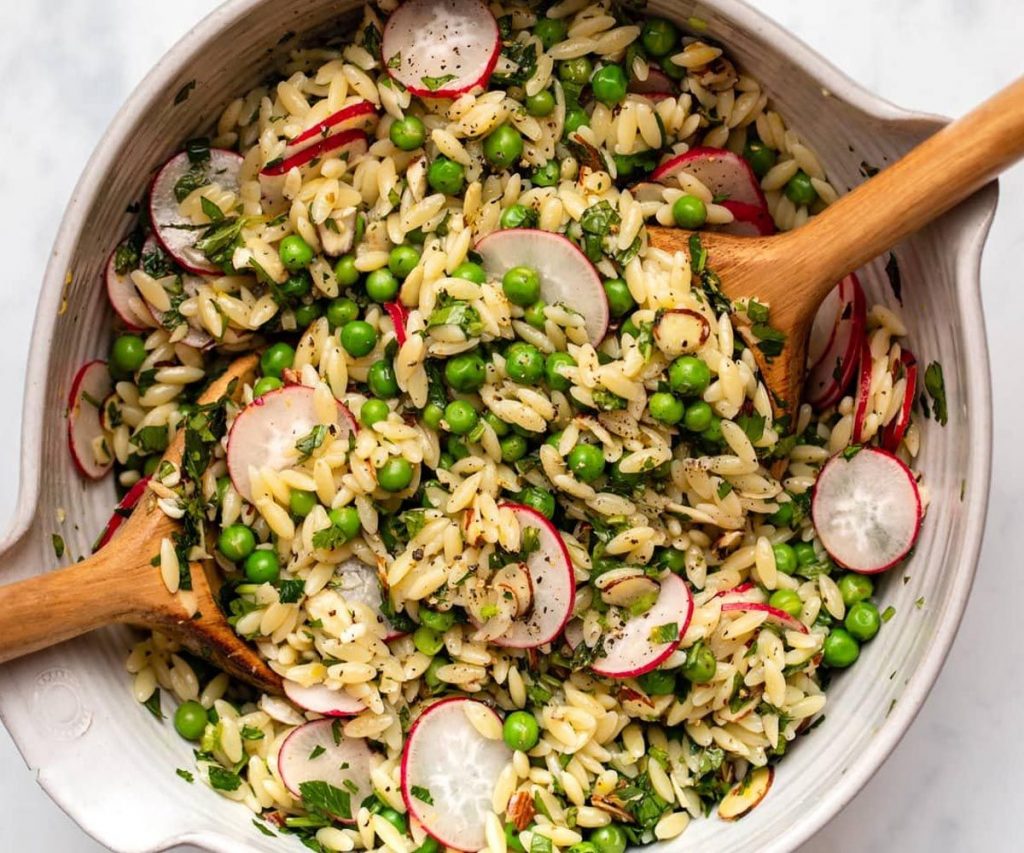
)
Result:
{"points": [[675, 72], [190, 720], [301, 503], [689, 376], [547, 175], [408, 133], [305, 315], [787, 601], [550, 31], [575, 70], [586, 461], [698, 417], [266, 384], [783, 516], [381, 285], [535, 316], [713, 434], [513, 448], [466, 372], [538, 499], [609, 84], [785, 558], [840, 649], [395, 475], [433, 414], [658, 682], [461, 417], [672, 559], [236, 542], [700, 666], [521, 731], [659, 37], [277, 359], [688, 211], [760, 157], [553, 366], [298, 285], [503, 147], [262, 566], [575, 118], [430, 676], [373, 411], [583, 847], [666, 408], [382, 380], [128, 353], [514, 216], [429, 845], [609, 839], [427, 641], [345, 270], [800, 190], [540, 105], [497, 424], [446, 176], [863, 621], [630, 328], [620, 300], [470, 272], [521, 285], [295, 253], [402, 260], [437, 620], [346, 519], [524, 363], [395, 818], [805, 554], [456, 448], [341, 311], [358, 338], [854, 588]]}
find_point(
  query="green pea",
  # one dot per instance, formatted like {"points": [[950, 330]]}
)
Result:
{"points": [[128, 353], [461, 417], [675, 72], [785, 558], [429, 845], [446, 176], [402, 260], [760, 157], [609, 839], [609, 84], [666, 408], [630, 328], [805, 554], [395, 475], [553, 366], [381, 285], [395, 818], [346, 519], [341, 311], [497, 424], [575, 118], [262, 566], [583, 847], [382, 380], [547, 175], [713, 433], [620, 300], [470, 272], [672, 559], [550, 31], [513, 448], [522, 286], [535, 316], [524, 363], [575, 70], [515, 216], [427, 641], [373, 411], [236, 542], [658, 682], [698, 417], [345, 270], [265, 385], [301, 503], [800, 190], [787, 601], [540, 105], [190, 720], [297, 286], [538, 499], [296, 254], [408, 133], [521, 731], [783, 516], [689, 376], [277, 359], [659, 37], [503, 147], [466, 372], [840, 649], [862, 621], [433, 414], [307, 314], [700, 666], [688, 211], [445, 461], [456, 448], [358, 338], [430, 676], [854, 588], [587, 462], [437, 620]]}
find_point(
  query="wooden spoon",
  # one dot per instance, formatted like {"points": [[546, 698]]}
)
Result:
{"points": [[120, 584], [793, 272]]}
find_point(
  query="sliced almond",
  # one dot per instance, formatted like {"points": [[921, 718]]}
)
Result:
{"points": [[681, 331], [746, 794]]}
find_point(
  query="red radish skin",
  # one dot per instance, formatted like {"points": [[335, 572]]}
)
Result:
{"points": [[779, 617], [866, 510], [265, 432], [359, 116], [892, 434], [865, 364], [399, 315], [828, 380], [744, 592], [322, 700], [121, 292], [121, 513], [566, 275], [749, 220], [344, 762], [657, 84], [175, 234], [90, 387], [448, 757], [441, 48], [355, 141], [631, 653], [724, 173]]}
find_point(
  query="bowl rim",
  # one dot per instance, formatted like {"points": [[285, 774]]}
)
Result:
{"points": [[977, 214]]}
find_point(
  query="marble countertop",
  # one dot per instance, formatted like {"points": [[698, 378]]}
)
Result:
{"points": [[66, 66]]}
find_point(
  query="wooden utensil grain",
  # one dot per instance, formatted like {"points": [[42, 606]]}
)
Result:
{"points": [[119, 584]]}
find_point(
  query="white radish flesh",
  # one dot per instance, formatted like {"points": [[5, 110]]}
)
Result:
{"points": [[829, 378], [357, 582], [321, 699], [361, 115], [866, 510], [894, 431], [446, 760], [566, 275], [90, 387], [775, 616], [725, 174], [125, 300]]}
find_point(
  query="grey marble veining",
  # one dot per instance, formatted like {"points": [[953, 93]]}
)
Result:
{"points": [[67, 65]]}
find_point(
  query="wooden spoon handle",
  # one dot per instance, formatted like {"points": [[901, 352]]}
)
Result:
{"points": [[935, 176]]}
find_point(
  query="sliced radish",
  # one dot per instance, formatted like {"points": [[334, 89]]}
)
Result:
{"points": [[725, 174], [321, 699], [361, 115], [357, 582], [647, 192], [176, 234], [320, 752], [125, 300], [566, 276], [399, 315], [196, 337], [894, 431], [352, 143], [90, 387], [866, 510], [265, 433], [862, 399], [121, 512], [826, 322], [441, 48], [830, 376], [776, 616], [747, 591], [749, 220], [657, 85], [630, 651], [447, 761], [552, 581]]}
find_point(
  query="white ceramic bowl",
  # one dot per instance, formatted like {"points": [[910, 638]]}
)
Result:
{"points": [[106, 761]]}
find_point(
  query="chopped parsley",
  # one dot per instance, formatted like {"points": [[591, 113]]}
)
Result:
{"points": [[152, 704], [666, 633], [324, 800], [184, 774], [422, 794], [58, 545], [151, 439], [224, 780], [517, 63], [308, 444], [252, 733], [329, 538], [318, 750], [458, 313], [290, 591], [935, 384], [435, 83], [263, 828], [888, 613]]}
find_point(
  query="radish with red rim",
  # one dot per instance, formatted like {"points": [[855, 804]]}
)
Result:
{"points": [[775, 616], [866, 509], [357, 582], [361, 115], [121, 512], [725, 174], [441, 48], [321, 699], [567, 277], [828, 379], [635, 647], [893, 432], [747, 591], [862, 399], [351, 142], [449, 771], [90, 387], [265, 432], [320, 752], [399, 315], [125, 300], [177, 234], [749, 220]]}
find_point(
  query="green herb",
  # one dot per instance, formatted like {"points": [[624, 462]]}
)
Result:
{"points": [[422, 794], [192, 180], [372, 39], [435, 83], [892, 271], [757, 312], [151, 439], [770, 341], [198, 150], [460, 314], [308, 444], [888, 613], [851, 451], [624, 257], [752, 425], [329, 538], [583, 655], [126, 256], [667, 633], [724, 488], [218, 242], [645, 343], [224, 780], [212, 211], [520, 58], [598, 221], [336, 731], [156, 263], [263, 829], [252, 733], [698, 254], [935, 384], [152, 705], [184, 774], [540, 844], [530, 540], [607, 401], [58, 545], [326, 801], [317, 752], [290, 591], [919, 603], [395, 61]]}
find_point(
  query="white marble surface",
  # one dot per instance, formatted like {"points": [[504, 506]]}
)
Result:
{"points": [[65, 67]]}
